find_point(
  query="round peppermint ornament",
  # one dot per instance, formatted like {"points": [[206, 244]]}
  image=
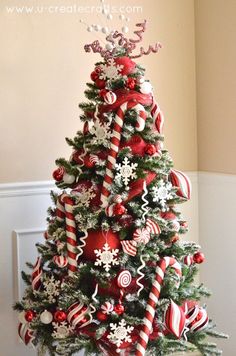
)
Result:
{"points": [[110, 97], [124, 279]]}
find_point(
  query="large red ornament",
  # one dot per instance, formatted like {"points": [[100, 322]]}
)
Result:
{"points": [[127, 63], [29, 315], [101, 316], [60, 316], [58, 174], [198, 257], [96, 240], [175, 319], [136, 144]]}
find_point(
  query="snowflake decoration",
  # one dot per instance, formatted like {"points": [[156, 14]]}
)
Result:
{"points": [[120, 333], [110, 70], [102, 133], [106, 257], [51, 288], [126, 170], [84, 197], [161, 193], [61, 330]]}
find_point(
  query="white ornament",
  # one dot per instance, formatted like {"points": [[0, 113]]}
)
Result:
{"points": [[120, 333], [51, 288], [102, 133], [110, 70], [61, 330], [84, 197], [106, 257], [146, 88], [125, 29], [21, 317], [46, 317], [110, 97], [68, 178], [126, 170], [161, 193]]}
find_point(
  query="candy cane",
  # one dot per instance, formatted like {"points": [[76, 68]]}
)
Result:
{"points": [[153, 300], [60, 211], [71, 242], [36, 275], [157, 117], [115, 143]]}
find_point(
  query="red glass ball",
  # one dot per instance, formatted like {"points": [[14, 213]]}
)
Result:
{"points": [[119, 209], [60, 316], [100, 83], [29, 315], [94, 76], [97, 70], [102, 92], [150, 149], [119, 309], [101, 316], [130, 83], [58, 174], [198, 257], [87, 162]]}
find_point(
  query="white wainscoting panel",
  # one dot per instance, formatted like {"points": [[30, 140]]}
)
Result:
{"points": [[23, 209], [217, 232]]}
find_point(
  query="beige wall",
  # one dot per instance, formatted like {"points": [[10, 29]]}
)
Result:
{"points": [[43, 70], [216, 84]]}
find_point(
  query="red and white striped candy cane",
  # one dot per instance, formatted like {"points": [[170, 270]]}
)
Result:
{"points": [[71, 242], [115, 143], [60, 211], [158, 117], [153, 300]]}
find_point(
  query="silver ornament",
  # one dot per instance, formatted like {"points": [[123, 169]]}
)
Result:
{"points": [[46, 317]]}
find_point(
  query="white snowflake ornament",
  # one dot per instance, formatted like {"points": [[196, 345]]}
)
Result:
{"points": [[120, 333], [84, 197], [106, 257], [126, 170], [61, 330], [161, 193], [51, 288], [110, 70], [101, 132]]}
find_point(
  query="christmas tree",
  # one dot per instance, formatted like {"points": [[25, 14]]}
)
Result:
{"points": [[114, 275]]}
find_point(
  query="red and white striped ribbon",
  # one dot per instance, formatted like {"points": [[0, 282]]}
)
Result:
{"points": [[153, 227], [152, 302], [158, 117], [115, 143], [129, 247], [25, 333]]}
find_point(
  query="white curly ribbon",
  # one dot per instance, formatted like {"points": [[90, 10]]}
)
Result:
{"points": [[143, 207], [141, 275], [81, 156], [91, 307], [186, 329], [83, 243]]}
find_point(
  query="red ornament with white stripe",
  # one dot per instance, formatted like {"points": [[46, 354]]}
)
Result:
{"points": [[175, 319], [153, 300], [188, 260], [109, 97], [25, 333], [158, 117], [77, 315], [196, 318], [60, 261], [36, 275], [182, 183]]}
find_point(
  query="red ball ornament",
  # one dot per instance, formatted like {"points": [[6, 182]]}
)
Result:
{"points": [[88, 162], [58, 174], [150, 149], [119, 309], [94, 76], [60, 316], [97, 70], [130, 83], [103, 92], [101, 316], [198, 257], [29, 315], [96, 240], [100, 83], [119, 209], [188, 260]]}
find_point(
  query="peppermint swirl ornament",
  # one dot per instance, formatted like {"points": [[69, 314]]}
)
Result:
{"points": [[124, 279]]}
